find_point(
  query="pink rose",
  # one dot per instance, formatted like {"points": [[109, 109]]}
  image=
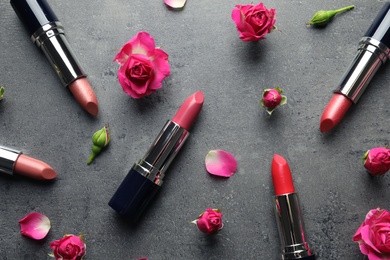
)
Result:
{"points": [[143, 66], [210, 221], [253, 21], [70, 247], [373, 235], [377, 160]]}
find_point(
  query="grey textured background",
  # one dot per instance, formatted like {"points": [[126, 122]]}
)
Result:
{"points": [[41, 118]]}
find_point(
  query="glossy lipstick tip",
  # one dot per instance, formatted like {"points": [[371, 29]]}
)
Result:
{"points": [[85, 96], [334, 112], [281, 176], [189, 110], [34, 168]]}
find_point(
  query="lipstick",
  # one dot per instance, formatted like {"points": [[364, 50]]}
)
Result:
{"points": [[373, 52], [288, 213], [146, 176], [14, 162], [48, 34]]}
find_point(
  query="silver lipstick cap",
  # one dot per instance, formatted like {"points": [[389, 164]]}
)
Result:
{"points": [[163, 150], [369, 58], [291, 228], [8, 158], [50, 38]]}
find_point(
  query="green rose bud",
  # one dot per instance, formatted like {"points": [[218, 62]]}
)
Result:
{"points": [[323, 17], [100, 139], [1, 92]]}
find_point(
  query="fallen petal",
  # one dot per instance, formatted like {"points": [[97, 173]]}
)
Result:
{"points": [[35, 225], [175, 3], [220, 163]]}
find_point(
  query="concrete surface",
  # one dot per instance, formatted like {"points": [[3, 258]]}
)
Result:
{"points": [[41, 118]]}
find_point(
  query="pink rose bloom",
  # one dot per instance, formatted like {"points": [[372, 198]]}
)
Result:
{"points": [[253, 21], [373, 235], [70, 247], [210, 221], [143, 66], [377, 160]]}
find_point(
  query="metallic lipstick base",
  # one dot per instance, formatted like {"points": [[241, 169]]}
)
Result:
{"points": [[162, 152], [8, 158], [370, 57], [291, 228], [50, 38]]}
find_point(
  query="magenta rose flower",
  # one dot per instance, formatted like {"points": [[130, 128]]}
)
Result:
{"points": [[143, 66], [272, 98], [210, 221], [373, 235], [377, 160], [70, 247], [253, 22]]}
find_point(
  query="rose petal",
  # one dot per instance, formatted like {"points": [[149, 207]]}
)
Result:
{"points": [[220, 163], [35, 225], [175, 3]]}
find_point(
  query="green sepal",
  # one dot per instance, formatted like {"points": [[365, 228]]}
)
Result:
{"points": [[279, 90], [365, 157], [262, 103], [284, 101], [1, 92], [270, 110]]}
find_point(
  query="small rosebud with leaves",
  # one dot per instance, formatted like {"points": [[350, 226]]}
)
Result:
{"points": [[272, 98]]}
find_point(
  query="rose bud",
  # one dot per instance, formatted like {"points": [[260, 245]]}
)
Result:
{"points": [[377, 160], [210, 221], [323, 17], [373, 235], [70, 247], [272, 98], [100, 140]]}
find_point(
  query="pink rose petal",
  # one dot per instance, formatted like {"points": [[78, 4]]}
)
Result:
{"points": [[221, 163], [175, 3], [35, 225]]}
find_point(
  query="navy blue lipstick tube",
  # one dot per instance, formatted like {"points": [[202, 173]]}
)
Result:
{"points": [[146, 176], [47, 33], [373, 52]]}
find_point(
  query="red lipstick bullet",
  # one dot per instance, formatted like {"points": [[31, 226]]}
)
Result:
{"points": [[288, 213]]}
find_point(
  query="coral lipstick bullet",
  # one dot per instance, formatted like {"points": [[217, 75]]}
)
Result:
{"points": [[14, 162]]}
